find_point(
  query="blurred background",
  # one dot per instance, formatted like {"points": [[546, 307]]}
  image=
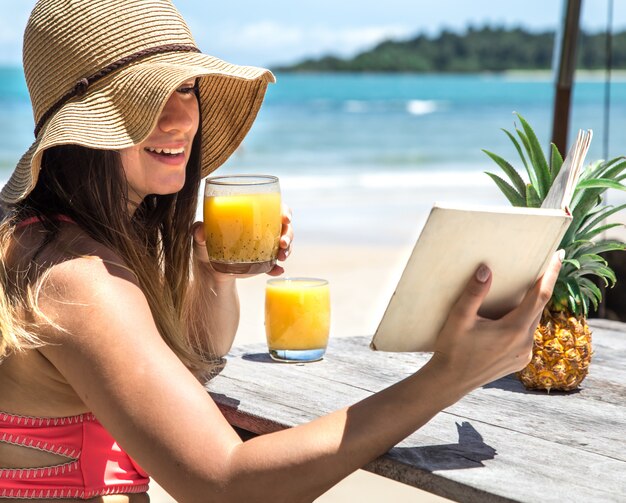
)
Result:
{"points": [[384, 106]]}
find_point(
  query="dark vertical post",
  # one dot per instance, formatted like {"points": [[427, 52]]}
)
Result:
{"points": [[565, 63], [607, 84]]}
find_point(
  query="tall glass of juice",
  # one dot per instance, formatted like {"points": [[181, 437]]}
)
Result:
{"points": [[242, 222], [297, 318]]}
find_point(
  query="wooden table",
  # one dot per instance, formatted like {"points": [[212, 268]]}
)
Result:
{"points": [[499, 443]]}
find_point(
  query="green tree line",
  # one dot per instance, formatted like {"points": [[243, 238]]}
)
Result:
{"points": [[484, 49]]}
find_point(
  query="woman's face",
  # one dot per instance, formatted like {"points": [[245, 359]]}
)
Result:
{"points": [[157, 165]]}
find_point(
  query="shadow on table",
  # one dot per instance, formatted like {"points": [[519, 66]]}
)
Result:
{"points": [[224, 401], [266, 358], [258, 357], [469, 452], [513, 384]]}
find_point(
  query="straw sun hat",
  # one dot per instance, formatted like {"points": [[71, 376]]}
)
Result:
{"points": [[99, 73]]}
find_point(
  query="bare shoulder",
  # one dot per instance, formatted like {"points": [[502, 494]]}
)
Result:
{"points": [[81, 277], [75, 257]]}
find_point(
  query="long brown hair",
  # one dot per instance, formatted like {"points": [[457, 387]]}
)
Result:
{"points": [[89, 186]]}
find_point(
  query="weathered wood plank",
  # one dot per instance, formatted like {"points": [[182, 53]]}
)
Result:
{"points": [[500, 443]]}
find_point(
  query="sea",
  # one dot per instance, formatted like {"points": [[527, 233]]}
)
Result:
{"points": [[362, 157]]}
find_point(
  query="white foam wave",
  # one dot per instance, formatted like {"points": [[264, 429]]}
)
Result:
{"points": [[421, 107], [413, 107], [386, 180]]}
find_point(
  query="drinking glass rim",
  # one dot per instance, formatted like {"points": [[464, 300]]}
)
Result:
{"points": [[299, 279], [245, 179]]}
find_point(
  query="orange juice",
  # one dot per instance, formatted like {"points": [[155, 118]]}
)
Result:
{"points": [[297, 317], [242, 231]]}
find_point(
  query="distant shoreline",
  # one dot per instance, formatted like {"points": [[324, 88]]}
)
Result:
{"points": [[581, 75], [490, 48]]}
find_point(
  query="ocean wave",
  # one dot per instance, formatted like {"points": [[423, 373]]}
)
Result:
{"points": [[412, 107], [386, 180], [421, 107], [382, 180]]}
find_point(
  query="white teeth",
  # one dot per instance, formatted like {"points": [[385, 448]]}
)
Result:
{"points": [[170, 151]]}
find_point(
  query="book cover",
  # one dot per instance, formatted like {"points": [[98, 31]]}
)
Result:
{"points": [[514, 243]]}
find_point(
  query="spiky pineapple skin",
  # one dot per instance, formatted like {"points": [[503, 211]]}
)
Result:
{"points": [[561, 352]]}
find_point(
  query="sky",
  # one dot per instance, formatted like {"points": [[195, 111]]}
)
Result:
{"points": [[276, 32]]}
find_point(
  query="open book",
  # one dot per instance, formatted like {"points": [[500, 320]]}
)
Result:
{"points": [[516, 243]]}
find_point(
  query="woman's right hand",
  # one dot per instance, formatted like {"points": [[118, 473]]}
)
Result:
{"points": [[474, 350]]}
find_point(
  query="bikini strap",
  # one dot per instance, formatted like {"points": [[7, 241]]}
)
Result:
{"points": [[36, 220]]}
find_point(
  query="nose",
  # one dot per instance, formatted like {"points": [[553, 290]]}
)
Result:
{"points": [[179, 114]]}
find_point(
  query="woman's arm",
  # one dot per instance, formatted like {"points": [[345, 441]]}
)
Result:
{"points": [[111, 353], [212, 306]]}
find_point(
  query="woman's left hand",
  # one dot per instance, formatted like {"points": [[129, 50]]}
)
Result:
{"points": [[284, 246]]}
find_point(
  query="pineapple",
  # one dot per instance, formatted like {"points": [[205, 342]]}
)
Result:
{"points": [[562, 341]]}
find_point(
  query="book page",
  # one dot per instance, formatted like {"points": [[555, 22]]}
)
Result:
{"points": [[560, 194]]}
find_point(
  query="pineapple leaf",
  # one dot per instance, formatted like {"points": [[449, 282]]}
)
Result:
{"points": [[575, 298], [580, 210], [607, 273], [575, 247], [511, 194], [530, 169], [556, 161], [610, 170], [599, 270], [518, 148], [600, 183], [532, 198], [616, 166], [590, 286], [604, 246], [595, 170], [602, 213], [571, 261], [599, 230], [584, 197], [510, 171], [591, 257], [588, 296], [537, 159]]}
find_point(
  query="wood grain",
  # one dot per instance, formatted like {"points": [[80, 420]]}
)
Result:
{"points": [[499, 443]]}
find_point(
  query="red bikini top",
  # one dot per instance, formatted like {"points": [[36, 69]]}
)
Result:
{"points": [[96, 465]]}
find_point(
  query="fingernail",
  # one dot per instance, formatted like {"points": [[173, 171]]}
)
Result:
{"points": [[561, 255], [286, 240], [482, 274]]}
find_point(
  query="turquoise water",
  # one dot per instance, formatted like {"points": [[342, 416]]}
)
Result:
{"points": [[361, 158], [334, 125]]}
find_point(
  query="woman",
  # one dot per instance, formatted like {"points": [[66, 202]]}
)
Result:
{"points": [[102, 327]]}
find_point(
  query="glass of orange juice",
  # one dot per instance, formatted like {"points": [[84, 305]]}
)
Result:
{"points": [[297, 318], [242, 222]]}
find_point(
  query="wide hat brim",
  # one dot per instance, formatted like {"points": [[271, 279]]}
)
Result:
{"points": [[122, 109]]}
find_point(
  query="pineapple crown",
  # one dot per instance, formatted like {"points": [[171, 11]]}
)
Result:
{"points": [[574, 290]]}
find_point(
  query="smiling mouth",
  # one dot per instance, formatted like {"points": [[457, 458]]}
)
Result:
{"points": [[166, 152]]}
